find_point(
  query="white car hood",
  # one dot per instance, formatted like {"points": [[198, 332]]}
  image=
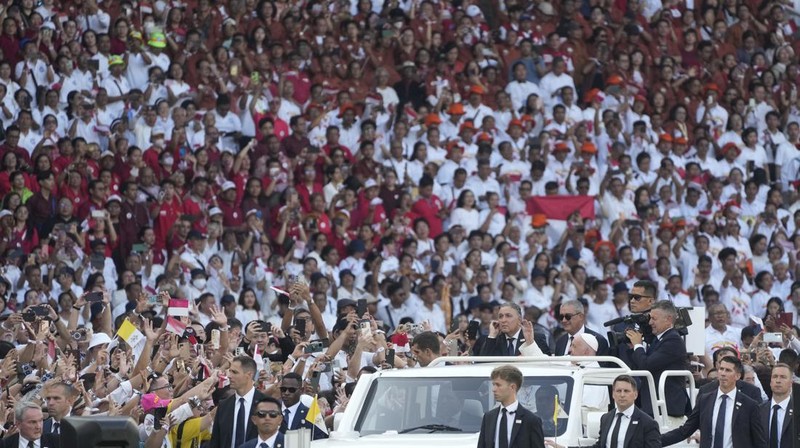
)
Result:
{"points": [[393, 440]]}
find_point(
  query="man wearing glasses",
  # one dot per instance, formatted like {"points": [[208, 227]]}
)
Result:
{"points": [[267, 418], [294, 412], [572, 316]]}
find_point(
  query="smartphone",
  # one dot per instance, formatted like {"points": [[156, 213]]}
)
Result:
{"points": [[314, 347], [315, 380], [44, 326], [215, 339], [99, 214], [98, 261], [364, 324], [472, 329], [268, 328], [361, 307], [510, 268], [300, 326], [255, 77], [234, 70], [158, 415], [786, 319], [95, 297], [390, 358], [40, 310], [139, 248], [770, 338], [152, 300], [239, 351]]}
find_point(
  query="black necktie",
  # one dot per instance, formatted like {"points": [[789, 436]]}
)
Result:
{"points": [[569, 344], [511, 349], [263, 445], [773, 427], [30, 443], [56, 427], [615, 432], [287, 424], [503, 438], [719, 429], [239, 438]]}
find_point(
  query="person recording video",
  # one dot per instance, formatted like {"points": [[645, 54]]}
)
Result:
{"points": [[667, 351]]}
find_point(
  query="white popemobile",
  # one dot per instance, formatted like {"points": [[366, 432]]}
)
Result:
{"points": [[442, 405]]}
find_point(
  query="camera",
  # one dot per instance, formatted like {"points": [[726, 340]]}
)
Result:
{"points": [[682, 323], [641, 320]]}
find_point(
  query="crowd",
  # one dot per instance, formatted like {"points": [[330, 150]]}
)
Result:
{"points": [[201, 199]]}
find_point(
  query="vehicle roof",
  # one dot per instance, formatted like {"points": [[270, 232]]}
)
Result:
{"points": [[540, 367]]}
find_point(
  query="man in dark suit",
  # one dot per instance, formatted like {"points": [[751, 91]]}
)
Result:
{"points": [[776, 414], [294, 412], [626, 422], [505, 334], [573, 319], [231, 425], [748, 389], [29, 418], [267, 417], [59, 398], [666, 352], [641, 298], [509, 425], [725, 418]]}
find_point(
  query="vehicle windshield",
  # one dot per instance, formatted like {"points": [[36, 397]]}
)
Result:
{"points": [[456, 404]]}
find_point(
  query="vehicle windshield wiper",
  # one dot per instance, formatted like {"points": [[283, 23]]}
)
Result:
{"points": [[433, 428]]}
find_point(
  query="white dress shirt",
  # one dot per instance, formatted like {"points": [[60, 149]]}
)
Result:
{"points": [[512, 409], [270, 442], [727, 435], [292, 411], [627, 414], [248, 404], [23, 442], [781, 417]]}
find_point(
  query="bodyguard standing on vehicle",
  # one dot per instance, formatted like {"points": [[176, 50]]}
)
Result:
{"points": [[505, 334], [667, 351], [509, 425]]}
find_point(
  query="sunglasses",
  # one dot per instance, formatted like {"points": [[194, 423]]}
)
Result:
{"points": [[568, 317], [638, 297], [290, 390], [270, 414]]}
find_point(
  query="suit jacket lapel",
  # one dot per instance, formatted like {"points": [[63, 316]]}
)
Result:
{"points": [[634, 425], [492, 422], [787, 419], [515, 427], [299, 416], [736, 405]]}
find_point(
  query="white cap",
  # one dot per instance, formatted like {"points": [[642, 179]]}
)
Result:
{"points": [[370, 183], [114, 197], [214, 211], [473, 10], [228, 185], [99, 339], [48, 26], [5, 213], [590, 340]]}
